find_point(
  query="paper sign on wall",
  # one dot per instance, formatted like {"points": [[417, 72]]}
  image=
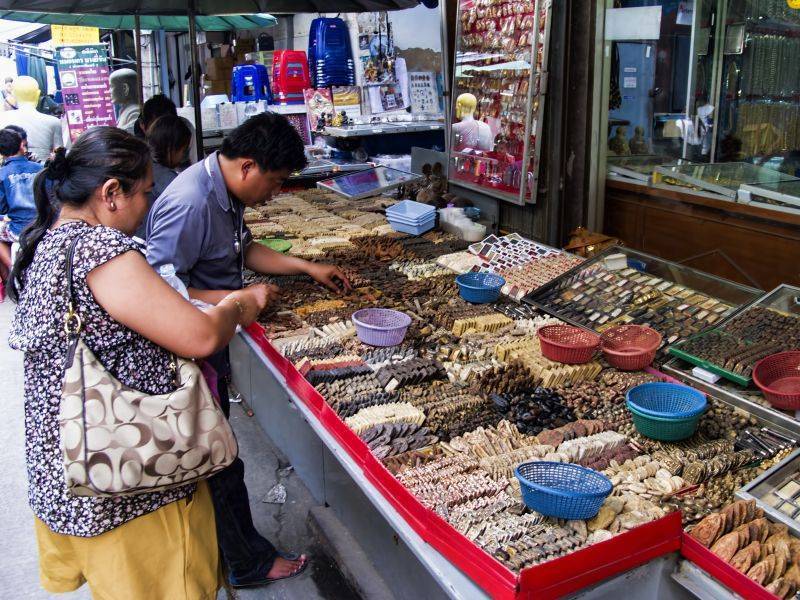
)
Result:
{"points": [[629, 82], [640, 23], [67, 35]]}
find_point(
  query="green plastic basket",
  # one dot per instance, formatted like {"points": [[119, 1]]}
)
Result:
{"points": [[277, 244], [665, 430]]}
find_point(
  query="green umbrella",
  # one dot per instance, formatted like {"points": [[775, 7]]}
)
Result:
{"points": [[153, 22]]}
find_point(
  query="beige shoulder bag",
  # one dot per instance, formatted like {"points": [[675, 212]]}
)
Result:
{"points": [[117, 441]]}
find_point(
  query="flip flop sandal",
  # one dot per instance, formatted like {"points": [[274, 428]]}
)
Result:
{"points": [[268, 580]]}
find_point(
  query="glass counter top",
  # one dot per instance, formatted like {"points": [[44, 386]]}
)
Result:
{"points": [[723, 178]]}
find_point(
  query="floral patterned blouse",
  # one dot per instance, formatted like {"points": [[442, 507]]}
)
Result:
{"points": [[38, 331]]}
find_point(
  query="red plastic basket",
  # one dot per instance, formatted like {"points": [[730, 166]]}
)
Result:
{"points": [[630, 347], [568, 344], [778, 376]]}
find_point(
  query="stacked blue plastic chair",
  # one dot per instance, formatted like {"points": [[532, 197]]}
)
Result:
{"points": [[312, 50], [250, 83], [330, 55]]}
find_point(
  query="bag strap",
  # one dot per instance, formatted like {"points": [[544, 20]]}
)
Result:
{"points": [[73, 325]]}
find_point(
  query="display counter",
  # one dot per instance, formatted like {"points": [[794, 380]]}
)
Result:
{"points": [[751, 243], [414, 446]]}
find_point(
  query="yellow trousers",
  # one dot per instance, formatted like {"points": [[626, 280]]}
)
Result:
{"points": [[169, 554]]}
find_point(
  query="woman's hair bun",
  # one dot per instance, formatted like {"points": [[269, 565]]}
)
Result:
{"points": [[58, 166]]}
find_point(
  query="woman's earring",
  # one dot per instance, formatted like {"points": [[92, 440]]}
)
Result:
{"points": [[113, 206]]}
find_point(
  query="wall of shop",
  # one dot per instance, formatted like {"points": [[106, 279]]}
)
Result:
{"points": [[417, 35]]}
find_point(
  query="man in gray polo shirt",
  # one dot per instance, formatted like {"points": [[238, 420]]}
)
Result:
{"points": [[197, 225]]}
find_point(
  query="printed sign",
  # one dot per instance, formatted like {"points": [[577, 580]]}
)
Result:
{"points": [[64, 35], [319, 104], [84, 83]]}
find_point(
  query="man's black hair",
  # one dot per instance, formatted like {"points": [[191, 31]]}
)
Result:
{"points": [[22, 133], [268, 139], [10, 142]]}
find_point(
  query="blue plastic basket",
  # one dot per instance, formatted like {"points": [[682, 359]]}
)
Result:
{"points": [[413, 229], [411, 209], [666, 400], [562, 490], [480, 288], [381, 326]]}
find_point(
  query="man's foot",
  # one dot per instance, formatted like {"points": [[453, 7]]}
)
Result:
{"points": [[284, 567]]}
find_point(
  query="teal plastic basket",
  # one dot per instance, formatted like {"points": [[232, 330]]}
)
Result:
{"points": [[665, 430]]}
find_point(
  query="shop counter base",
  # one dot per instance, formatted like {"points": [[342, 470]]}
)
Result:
{"points": [[411, 567]]}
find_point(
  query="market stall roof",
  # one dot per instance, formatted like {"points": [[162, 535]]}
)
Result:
{"points": [[199, 7], [152, 22]]}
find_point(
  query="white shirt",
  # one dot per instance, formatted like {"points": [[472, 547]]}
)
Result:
{"points": [[44, 131]]}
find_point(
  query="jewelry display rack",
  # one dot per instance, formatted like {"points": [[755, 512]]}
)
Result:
{"points": [[501, 57]]}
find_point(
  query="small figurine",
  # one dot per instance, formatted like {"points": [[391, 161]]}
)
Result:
{"points": [[638, 144], [346, 121], [336, 120], [619, 143]]}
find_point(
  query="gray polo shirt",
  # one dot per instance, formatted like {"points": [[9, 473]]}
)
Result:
{"points": [[196, 226]]}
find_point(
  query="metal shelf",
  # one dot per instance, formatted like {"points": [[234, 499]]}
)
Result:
{"points": [[353, 131]]}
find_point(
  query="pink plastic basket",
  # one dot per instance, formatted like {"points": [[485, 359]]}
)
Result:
{"points": [[630, 347], [381, 326], [568, 344], [778, 376]]}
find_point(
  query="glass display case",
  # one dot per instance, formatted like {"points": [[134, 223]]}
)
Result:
{"points": [[758, 115], [498, 96], [781, 195], [722, 178], [738, 390], [709, 81], [777, 492], [639, 168], [621, 285]]}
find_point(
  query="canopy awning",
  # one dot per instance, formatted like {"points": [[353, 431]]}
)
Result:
{"points": [[200, 7], [152, 22]]}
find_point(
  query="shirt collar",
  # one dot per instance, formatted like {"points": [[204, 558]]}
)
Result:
{"points": [[221, 191], [15, 158]]}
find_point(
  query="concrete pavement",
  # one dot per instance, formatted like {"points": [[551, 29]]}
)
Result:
{"points": [[286, 525]]}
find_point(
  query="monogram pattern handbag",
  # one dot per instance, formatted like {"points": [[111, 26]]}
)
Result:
{"points": [[118, 441]]}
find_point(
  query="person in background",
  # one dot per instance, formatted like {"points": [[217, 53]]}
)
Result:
{"points": [[197, 225], [16, 194], [24, 135], [159, 106], [44, 131], [9, 102], [168, 137], [146, 546]]}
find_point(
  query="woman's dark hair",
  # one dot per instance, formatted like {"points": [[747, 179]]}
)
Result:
{"points": [[167, 135], [99, 154], [10, 142], [270, 140]]}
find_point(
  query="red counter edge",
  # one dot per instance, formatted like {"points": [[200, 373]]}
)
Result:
{"points": [[552, 579], [712, 564]]}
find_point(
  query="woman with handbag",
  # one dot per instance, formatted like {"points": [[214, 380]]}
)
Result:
{"points": [[119, 434]]}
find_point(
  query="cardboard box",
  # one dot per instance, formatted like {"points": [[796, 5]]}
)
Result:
{"points": [[219, 68], [245, 110], [245, 45], [228, 116], [210, 118], [218, 86], [264, 58]]}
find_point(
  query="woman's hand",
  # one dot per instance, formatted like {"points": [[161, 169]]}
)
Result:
{"points": [[330, 276], [252, 300]]}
